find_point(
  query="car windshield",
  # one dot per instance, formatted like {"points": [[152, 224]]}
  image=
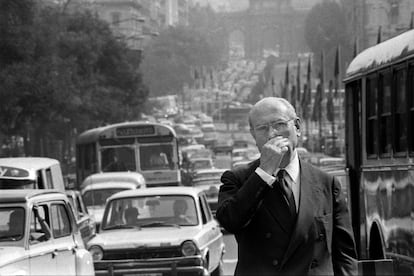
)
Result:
{"points": [[16, 184], [98, 197], [12, 221], [150, 211]]}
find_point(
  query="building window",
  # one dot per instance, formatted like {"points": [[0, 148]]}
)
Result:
{"points": [[394, 12], [115, 18]]}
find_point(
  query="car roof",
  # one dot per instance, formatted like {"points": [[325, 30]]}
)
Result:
{"points": [[109, 185], [104, 177], [171, 190], [28, 163], [23, 195]]}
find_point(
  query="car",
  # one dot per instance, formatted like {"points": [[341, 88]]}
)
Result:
{"points": [[31, 173], [96, 188], [158, 231], [209, 182], [39, 235], [201, 163], [208, 173], [85, 222]]}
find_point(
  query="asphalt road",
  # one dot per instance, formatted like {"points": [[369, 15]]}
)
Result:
{"points": [[230, 256]]}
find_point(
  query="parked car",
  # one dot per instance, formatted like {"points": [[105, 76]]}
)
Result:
{"points": [[31, 173], [96, 188], [158, 231], [85, 222], [39, 235]]}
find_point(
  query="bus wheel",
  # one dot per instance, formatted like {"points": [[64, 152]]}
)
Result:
{"points": [[376, 251]]}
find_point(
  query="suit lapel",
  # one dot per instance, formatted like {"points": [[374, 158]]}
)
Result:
{"points": [[306, 210], [275, 204]]}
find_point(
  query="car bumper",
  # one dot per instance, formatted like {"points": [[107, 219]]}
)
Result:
{"points": [[181, 266]]}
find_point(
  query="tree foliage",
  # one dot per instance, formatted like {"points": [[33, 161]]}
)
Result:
{"points": [[326, 28], [61, 71]]}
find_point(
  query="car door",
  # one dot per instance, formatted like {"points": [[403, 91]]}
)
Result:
{"points": [[62, 229], [41, 247], [212, 232]]}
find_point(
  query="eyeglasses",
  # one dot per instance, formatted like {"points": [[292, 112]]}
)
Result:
{"points": [[276, 125]]}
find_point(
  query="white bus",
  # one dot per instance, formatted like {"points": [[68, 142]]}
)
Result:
{"points": [[145, 147]]}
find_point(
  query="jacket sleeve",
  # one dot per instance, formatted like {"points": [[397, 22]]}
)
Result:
{"points": [[344, 254], [239, 198]]}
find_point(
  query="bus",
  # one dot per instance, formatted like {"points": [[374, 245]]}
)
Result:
{"points": [[379, 107], [145, 147]]}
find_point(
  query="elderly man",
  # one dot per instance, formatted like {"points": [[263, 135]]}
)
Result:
{"points": [[288, 217]]}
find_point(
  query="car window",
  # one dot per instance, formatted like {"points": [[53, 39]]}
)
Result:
{"points": [[205, 211], [150, 210], [39, 224], [61, 226], [12, 222], [49, 179], [81, 208], [98, 197]]}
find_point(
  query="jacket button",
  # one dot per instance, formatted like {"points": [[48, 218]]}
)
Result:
{"points": [[321, 237], [268, 235], [275, 262]]}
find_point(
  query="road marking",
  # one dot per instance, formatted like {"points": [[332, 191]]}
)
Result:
{"points": [[230, 260]]}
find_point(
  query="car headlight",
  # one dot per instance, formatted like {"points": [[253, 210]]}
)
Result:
{"points": [[189, 248], [96, 252]]}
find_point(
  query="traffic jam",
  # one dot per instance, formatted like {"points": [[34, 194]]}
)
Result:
{"points": [[114, 221]]}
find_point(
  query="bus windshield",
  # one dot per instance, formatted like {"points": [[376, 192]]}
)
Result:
{"points": [[118, 159]]}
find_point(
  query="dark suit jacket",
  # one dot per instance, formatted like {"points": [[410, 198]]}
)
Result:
{"points": [[320, 243]]}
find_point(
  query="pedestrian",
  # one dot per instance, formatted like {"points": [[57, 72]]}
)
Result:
{"points": [[288, 217]]}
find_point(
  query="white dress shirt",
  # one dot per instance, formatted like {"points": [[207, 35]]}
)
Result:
{"points": [[292, 177]]}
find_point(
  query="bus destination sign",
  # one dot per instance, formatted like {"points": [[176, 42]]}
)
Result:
{"points": [[135, 130]]}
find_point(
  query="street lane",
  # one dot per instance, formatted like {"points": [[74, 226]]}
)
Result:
{"points": [[230, 256]]}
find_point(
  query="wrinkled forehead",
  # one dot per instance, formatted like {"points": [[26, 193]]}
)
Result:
{"points": [[270, 109]]}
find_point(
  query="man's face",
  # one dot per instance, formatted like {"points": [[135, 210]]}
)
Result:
{"points": [[272, 119]]}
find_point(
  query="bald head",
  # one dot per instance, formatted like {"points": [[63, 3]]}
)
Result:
{"points": [[269, 104]]}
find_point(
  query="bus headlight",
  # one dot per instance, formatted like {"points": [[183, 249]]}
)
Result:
{"points": [[96, 252], [189, 248]]}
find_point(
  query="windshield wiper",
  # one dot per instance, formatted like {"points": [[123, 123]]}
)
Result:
{"points": [[121, 226], [160, 223]]}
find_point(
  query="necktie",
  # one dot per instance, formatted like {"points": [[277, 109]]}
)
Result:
{"points": [[287, 191]]}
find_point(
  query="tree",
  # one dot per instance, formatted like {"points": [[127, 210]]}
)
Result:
{"points": [[66, 71], [325, 28]]}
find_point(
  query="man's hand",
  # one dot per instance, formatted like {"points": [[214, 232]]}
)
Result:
{"points": [[272, 153]]}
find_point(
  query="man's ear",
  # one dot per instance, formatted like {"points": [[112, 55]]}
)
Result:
{"points": [[298, 125]]}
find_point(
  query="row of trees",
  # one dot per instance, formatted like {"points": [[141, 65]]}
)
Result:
{"points": [[64, 71], [61, 72]]}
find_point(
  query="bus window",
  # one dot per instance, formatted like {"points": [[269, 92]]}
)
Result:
{"points": [[372, 113], [401, 121], [118, 159], [411, 108], [154, 157], [385, 123]]}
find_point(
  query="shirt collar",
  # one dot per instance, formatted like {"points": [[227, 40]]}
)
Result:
{"points": [[292, 168]]}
